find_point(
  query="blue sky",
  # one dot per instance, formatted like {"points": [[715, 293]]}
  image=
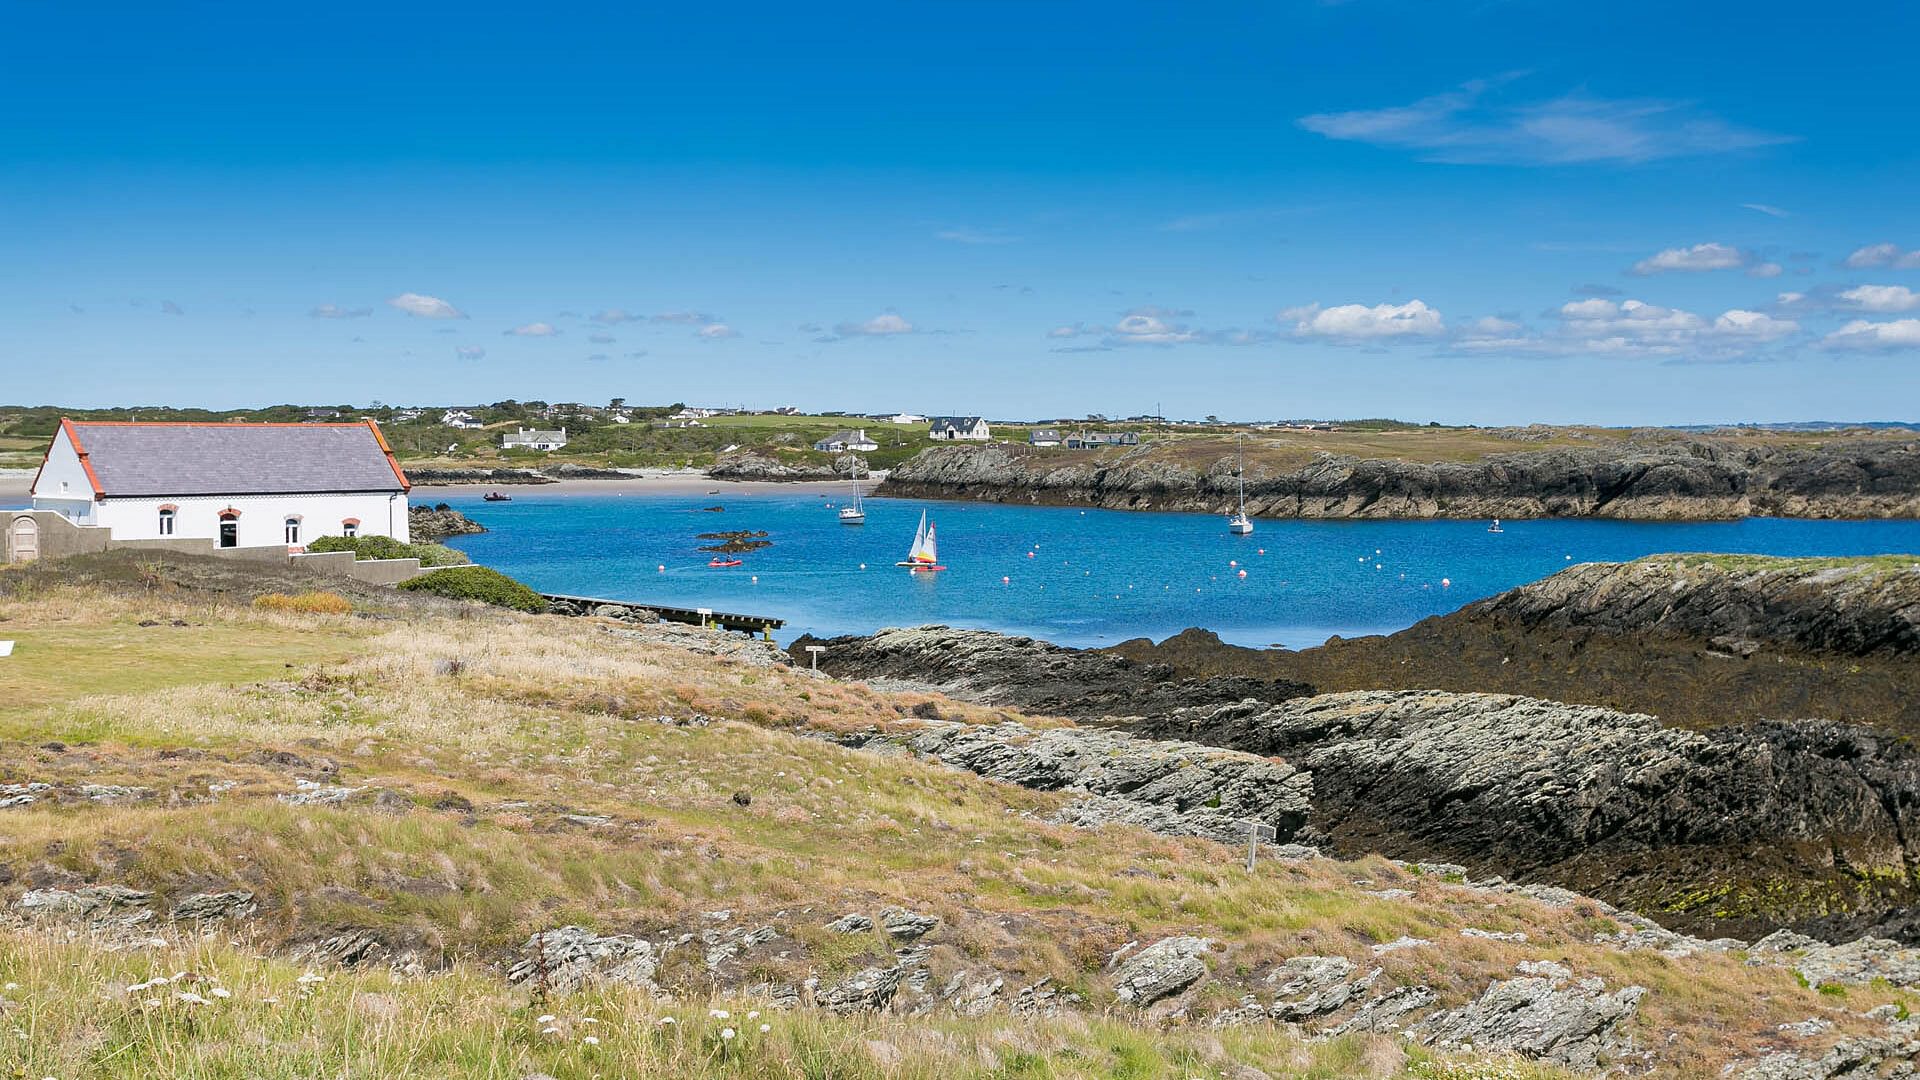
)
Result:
{"points": [[1490, 212]]}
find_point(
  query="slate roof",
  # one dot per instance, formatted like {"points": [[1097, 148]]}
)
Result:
{"points": [[140, 459], [953, 423]]}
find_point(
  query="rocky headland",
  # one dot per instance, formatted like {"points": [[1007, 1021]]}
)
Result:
{"points": [[432, 524], [1663, 478], [1698, 640]]}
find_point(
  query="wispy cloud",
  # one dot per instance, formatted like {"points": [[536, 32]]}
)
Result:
{"points": [[1763, 208], [717, 332], [470, 352], [533, 329], [887, 324], [601, 339], [1465, 127], [1221, 219], [683, 318], [168, 307], [422, 306], [614, 316], [1631, 328], [1884, 255], [966, 235], [335, 311]]}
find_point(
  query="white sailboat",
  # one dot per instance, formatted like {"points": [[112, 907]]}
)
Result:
{"points": [[1240, 524], [1495, 527], [924, 555], [854, 513]]}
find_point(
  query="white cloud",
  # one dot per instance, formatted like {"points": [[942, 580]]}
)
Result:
{"points": [[1067, 331], [1882, 298], [470, 352], [613, 316], [533, 329], [1140, 328], [1631, 328], [1763, 208], [601, 339], [964, 235], [684, 318], [335, 311], [884, 325], [1890, 255], [1490, 327], [1463, 127], [1753, 326], [718, 332], [1695, 259], [1765, 270], [425, 307], [1358, 322], [1863, 335]]}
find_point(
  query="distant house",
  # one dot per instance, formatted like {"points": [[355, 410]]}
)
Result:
{"points": [[1085, 440], [322, 416], [957, 429], [1044, 436], [191, 486], [623, 417], [460, 418], [899, 418], [409, 414], [534, 439], [842, 441]]}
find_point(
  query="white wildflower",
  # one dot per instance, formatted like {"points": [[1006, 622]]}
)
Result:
{"points": [[754, 1015], [190, 998], [152, 1003], [546, 1018], [591, 1040], [726, 1034], [158, 980], [271, 1000], [10, 986], [588, 1020], [221, 992], [764, 1028], [718, 1014], [667, 1020], [549, 1031], [309, 978]]}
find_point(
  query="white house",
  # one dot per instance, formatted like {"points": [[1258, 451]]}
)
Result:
{"points": [[1044, 436], [534, 439], [899, 418], [957, 429], [233, 485], [460, 418], [841, 441]]}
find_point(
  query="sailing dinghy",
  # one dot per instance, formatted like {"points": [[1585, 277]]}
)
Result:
{"points": [[855, 514], [924, 556]]}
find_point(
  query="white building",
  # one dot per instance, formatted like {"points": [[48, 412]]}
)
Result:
{"points": [[1045, 436], [899, 418], [534, 439], [958, 429], [460, 418], [233, 485], [841, 441]]}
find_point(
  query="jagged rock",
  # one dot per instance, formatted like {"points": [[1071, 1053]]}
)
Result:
{"points": [[573, 956], [1027, 674], [310, 793], [1493, 935], [1781, 941], [347, 950], [208, 906], [432, 524], [1577, 1027], [867, 991], [1399, 943], [725, 946], [904, 925], [1305, 987], [115, 793], [1388, 1012], [93, 901], [1042, 999], [1160, 970], [851, 924], [751, 465], [1858, 1057], [1858, 962]]}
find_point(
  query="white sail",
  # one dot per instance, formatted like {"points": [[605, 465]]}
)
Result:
{"points": [[919, 539], [926, 551]]}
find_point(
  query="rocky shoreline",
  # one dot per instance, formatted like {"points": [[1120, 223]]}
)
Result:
{"points": [[1692, 479]]}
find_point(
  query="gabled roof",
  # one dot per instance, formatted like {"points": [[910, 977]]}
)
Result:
{"points": [[135, 458], [961, 422]]}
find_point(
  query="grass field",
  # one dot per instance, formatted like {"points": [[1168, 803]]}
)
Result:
{"points": [[509, 774]]}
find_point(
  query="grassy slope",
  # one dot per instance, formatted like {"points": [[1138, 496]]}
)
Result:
{"points": [[544, 717]]}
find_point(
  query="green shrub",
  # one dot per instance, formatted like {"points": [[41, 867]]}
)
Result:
{"points": [[386, 547], [477, 583]]}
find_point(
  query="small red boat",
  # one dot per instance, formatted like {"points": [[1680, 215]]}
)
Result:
{"points": [[723, 562]]}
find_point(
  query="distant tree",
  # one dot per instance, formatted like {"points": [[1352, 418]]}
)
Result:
{"points": [[615, 403]]}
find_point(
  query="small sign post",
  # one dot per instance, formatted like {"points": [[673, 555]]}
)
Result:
{"points": [[706, 616], [816, 650], [1257, 832]]}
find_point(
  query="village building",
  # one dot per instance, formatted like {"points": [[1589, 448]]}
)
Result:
{"points": [[958, 429], [899, 418], [194, 486], [1043, 437], [1085, 440], [534, 439], [460, 418], [842, 441]]}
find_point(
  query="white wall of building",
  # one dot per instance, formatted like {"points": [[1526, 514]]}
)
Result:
{"points": [[63, 484], [262, 518]]}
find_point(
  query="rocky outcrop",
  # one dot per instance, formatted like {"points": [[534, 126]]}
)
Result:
{"points": [[1663, 478], [1160, 970], [450, 477], [1172, 787], [752, 465], [432, 524], [1026, 674], [1701, 640], [570, 957], [1541, 1017], [1736, 830]]}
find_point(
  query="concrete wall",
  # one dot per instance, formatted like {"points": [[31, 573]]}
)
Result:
{"points": [[56, 536], [262, 520]]}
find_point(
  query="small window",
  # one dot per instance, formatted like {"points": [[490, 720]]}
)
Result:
{"points": [[166, 523], [350, 529], [293, 530]]}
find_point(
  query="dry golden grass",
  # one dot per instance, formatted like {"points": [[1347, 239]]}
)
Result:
{"points": [[308, 603], [497, 728]]}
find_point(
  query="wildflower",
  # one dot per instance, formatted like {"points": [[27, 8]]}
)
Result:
{"points": [[726, 1034], [546, 1018], [754, 1015], [271, 1000], [588, 1020], [158, 980], [591, 1040], [665, 1020], [151, 1003], [764, 1028], [309, 978], [549, 1031], [221, 992], [190, 998], [718, 1014], [10, 986]]}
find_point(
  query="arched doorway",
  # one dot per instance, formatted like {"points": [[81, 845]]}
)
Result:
{"points": [[25, 544]]}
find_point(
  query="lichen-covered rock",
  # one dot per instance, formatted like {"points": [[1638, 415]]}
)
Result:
{"points": [[1576, 1026], [1305, 987], [868, 990], [903, 925], [88, 902], [1160, 970], [573, 956], [209, 906], [851, 923]]}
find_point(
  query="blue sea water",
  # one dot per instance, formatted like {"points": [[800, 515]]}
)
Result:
{"points": [[1092, 577]]}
